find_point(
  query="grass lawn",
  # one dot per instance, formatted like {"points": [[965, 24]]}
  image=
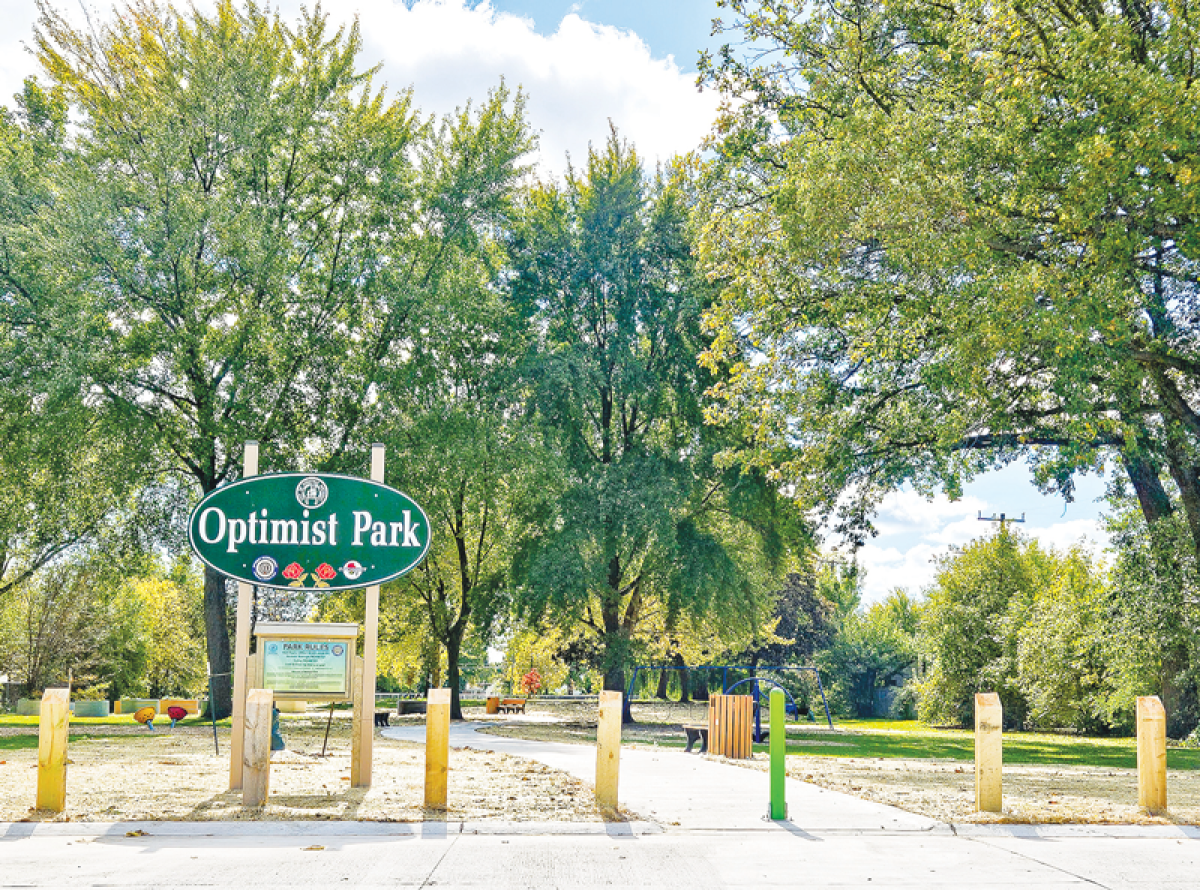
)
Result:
{"points": [[19, 733], [912, 740]]}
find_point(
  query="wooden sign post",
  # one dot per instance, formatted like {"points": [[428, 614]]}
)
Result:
{"points": [[360, 769], [989, 753], [241, 650], [256, 776], [1152, 753]]}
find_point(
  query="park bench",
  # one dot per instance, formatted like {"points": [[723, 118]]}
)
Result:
{"points": [[512, 706], [696, 733]]}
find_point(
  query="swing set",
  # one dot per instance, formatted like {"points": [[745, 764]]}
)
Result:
{"points": [[753, 682]]}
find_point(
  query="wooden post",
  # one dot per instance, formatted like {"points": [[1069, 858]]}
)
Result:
{"points": [[256, 775], [989, 753], [1152, 753], [241, 648], [360, 769], [608, 749], [52, 750], [437, 747], [356, 717]]}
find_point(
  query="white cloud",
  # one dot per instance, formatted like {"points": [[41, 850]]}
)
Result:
{"points": [[1064, 535], [577, 78], [909, 562], [907, 511], [887, 568]]}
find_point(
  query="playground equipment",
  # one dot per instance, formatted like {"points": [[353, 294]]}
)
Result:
{"points": [[145, 716], [726, 687]]}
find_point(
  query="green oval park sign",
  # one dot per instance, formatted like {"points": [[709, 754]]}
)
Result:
{"points": [[309, 531]]}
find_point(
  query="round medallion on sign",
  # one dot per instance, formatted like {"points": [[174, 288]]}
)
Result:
{"points": [[353, 570], [338, 650], [311, 492], [265, 568]]}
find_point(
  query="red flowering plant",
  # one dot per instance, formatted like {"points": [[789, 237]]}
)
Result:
{"points": [[532, 682], [325, 572]]}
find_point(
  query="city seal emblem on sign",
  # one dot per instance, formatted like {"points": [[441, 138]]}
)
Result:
{"points": [[265, 568], [311, 492]]}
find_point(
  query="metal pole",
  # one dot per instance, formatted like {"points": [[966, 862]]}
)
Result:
{"points": [[212, 711], [824, 700], [758, 713], [778, 757], [328, 724]]}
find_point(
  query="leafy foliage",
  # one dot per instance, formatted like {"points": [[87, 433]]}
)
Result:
{"points": [[644, 521], [233, 242], [955, 234]]}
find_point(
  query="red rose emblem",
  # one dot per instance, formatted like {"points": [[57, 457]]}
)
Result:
{"points": [[325, 571], [293, 571]]}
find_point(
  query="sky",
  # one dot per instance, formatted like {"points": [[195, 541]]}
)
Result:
{"points": [[582, 64], [631, 62]]}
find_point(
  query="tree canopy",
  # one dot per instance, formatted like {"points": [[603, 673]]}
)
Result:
{"points": [[234, 239], [645, 522], [956, 234]]}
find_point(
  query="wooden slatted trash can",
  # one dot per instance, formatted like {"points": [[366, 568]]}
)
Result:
{"points": [[730, 725]]}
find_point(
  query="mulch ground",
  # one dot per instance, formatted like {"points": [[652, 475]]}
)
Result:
{"points": [[118, 773]]}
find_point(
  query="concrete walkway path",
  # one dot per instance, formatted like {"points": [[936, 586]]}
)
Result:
{"points": [[691, 793], [707, 831]]}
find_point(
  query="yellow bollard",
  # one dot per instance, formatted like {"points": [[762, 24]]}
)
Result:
{"points": [[608, 749], [437, 748], [256, 750], [52, 750], [989, 753], [1152, 753]]}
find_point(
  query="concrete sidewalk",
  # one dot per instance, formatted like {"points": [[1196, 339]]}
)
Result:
{"points": [[707, 830], [265, 855], [691, 793]]}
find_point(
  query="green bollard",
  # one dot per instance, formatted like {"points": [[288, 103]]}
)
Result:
{"points": [[778, 745]]}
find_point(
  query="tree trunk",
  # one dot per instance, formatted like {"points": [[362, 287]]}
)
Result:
{"points": [[453, 651], [1152, 497], [614, 681], [677, 660], [661, 692], [216, 632]]}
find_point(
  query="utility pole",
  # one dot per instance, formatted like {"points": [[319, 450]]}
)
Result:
{"points": [[1002, 519]]}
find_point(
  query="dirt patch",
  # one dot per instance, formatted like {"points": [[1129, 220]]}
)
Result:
{"points": [[122, 773]]}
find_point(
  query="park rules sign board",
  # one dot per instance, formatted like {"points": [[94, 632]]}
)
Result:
{"points": [[309, 531]]}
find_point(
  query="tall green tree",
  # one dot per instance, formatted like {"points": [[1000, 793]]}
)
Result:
{"points": [[463, 449], [957, 234], [970, 628], [645, 523], [239, 232], [65, 481]]}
